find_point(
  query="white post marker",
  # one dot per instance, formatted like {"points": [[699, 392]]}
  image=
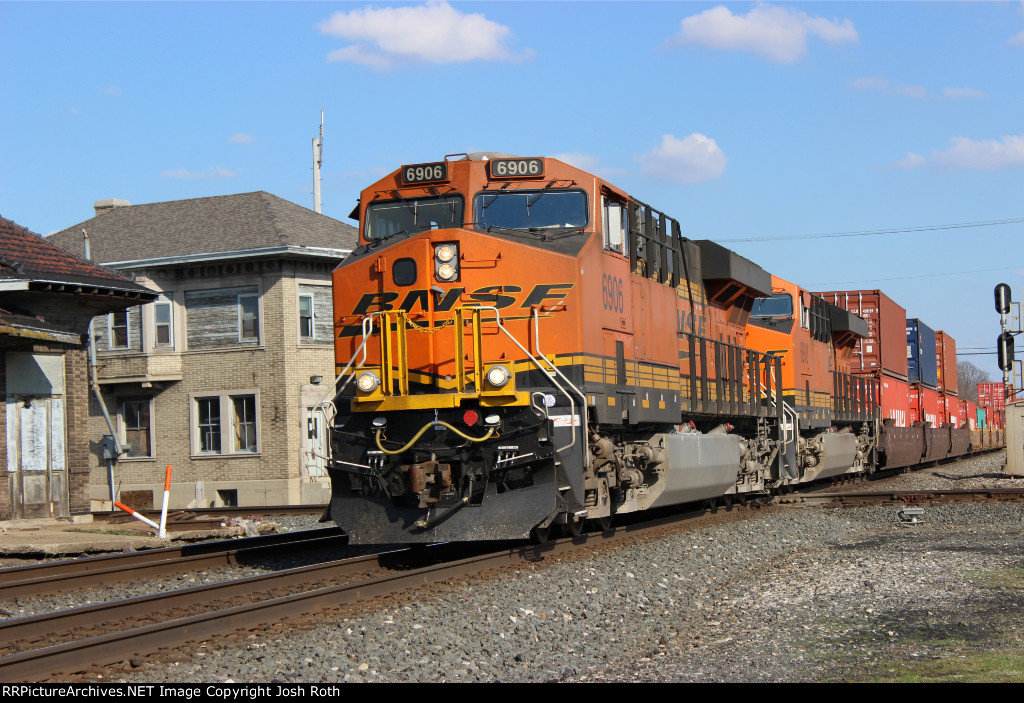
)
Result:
{"points": [[136, 515], [163, 511]]}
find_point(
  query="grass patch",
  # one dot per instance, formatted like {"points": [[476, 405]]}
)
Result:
{"points": [[1010, 577], [1006, 665], [978, 641]]}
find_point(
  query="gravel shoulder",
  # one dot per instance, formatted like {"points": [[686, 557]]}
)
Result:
{"points": [[791, 594]]}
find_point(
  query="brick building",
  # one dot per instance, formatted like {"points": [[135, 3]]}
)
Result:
{"points": [[220, 375], [47, 297]]}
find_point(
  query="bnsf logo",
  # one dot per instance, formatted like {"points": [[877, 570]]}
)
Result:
{"points": [[493, 296]]}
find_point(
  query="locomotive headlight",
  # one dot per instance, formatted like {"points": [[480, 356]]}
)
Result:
{"points": [[445, 252], [367, 382], [498, 376], [446, 272], [446, 261]]}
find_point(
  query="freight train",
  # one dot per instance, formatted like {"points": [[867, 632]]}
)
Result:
{"points": [[522, 346]]}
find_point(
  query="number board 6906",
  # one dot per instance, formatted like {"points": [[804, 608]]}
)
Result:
{"points": [[517, 168], [425, 173]]}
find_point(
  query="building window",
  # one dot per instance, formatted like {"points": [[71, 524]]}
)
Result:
{"points": [[221, 317], [244, 419], [316, 314], [248, 318], [306, 329], [118, 330], [208, 425], [138, 434], [163, 331], [226, 423]]}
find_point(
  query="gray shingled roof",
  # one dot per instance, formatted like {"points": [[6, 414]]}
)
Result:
{"points": [[205, 225]]}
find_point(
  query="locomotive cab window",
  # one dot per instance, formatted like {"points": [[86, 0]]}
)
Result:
{"points": [[613, 223], [776, 306], [410, 216], [531, 210]]}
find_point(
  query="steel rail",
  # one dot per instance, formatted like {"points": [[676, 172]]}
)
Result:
{"points": [[903, 496], [48, 625], [73, 574]]}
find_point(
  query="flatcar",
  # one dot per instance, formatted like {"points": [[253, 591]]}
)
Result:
{"points": [[521, 346]]}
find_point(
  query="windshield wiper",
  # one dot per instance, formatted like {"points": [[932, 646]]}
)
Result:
{"points": [[450, 206], [543, 190], [408, 205]]}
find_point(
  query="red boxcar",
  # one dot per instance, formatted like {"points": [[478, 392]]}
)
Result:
{"points": [[945, 351], [992, 394], [992, 397], [966, 412], [894, 398], [925, 406], [885, 347]]}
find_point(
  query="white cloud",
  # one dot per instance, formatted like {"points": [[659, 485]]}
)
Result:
{"points": [[965, 154], [911, 160], [777, 33], [965, 92], [213, 172], [1018, 38], [240, 138], [887, 87], [111, 90], [74, 110], [389, 37], [587, 162], [693, 159]]}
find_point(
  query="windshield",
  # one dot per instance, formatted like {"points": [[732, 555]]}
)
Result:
{"points": [[384, 219], [544, 209], [778, 305]]}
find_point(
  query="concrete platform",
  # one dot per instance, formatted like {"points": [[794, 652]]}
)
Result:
{"points": [[79, 535]]}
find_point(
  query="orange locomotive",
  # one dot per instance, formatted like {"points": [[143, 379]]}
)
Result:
{"points": [[832, 411], [522, 345]]}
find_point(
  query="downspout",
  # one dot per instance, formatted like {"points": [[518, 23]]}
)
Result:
{"points": [[95, 384]]}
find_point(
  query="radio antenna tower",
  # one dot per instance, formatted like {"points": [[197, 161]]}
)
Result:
{"points": [[318, 147]]}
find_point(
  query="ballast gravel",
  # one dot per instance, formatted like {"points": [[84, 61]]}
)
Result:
{"points": [[789, 594]]}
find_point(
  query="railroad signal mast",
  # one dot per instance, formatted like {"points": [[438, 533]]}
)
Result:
{"points": [[1009, 312], [1014, 427]]}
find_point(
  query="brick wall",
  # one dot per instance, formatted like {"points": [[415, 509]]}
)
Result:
{"points": [[279, 369]]}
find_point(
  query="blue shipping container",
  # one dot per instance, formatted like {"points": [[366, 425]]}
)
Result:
{"points": [[922, 359]]}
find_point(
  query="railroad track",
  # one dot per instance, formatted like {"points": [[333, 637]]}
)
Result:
{"points": [[44, 647], [903, 496], [89, 572], [48, 646]]}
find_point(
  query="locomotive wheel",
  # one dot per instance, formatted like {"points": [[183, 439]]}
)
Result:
{"points": [[605, 523], [540, 535], [573, 527]]}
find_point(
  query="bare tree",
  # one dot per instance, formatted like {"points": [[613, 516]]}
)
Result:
{"points": [[968, 378]]}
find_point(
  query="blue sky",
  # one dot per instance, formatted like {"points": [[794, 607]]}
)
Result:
{"points": [[742, 120]]}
